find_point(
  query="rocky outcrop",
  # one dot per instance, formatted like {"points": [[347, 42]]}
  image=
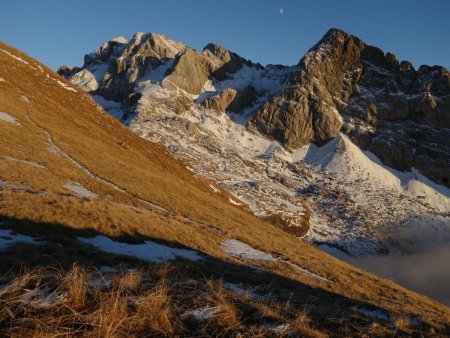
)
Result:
{"points": [[189, 73], [340, 85], [225, 62], [220, 102], [118, 64], [384, 105], [231, 100]]}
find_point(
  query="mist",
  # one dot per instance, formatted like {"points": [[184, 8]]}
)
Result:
{"points": [[427, 272]]}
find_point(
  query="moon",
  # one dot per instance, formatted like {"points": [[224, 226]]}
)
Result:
{"points": [[281, 10]]}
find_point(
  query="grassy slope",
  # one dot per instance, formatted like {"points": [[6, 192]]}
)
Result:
{"points": [[194, 216]]}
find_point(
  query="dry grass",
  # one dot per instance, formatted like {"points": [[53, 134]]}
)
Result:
{"points": [[228, 314], [51, 303], [60, 306], [75, 282], [145, 173], [303, 324], [401, 322], [155, 312]]}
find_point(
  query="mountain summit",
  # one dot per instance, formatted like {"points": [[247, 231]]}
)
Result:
{"points": [[340, 85], [386, 106]]}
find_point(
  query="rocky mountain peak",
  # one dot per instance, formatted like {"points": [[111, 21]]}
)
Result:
{"points": [[340, 85], [343, 84]]}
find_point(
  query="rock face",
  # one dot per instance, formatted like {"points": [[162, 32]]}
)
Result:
{"points": [[231, 100], [400, 114], [116, 68], [190, 72], [342, 84], [222, 101]]}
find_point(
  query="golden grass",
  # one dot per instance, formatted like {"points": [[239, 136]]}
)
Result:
{"points": [[401, 322], [145, 310], [303, 324], [155, 311], [228, 314], [108, 155], [75, 282], [42, 303]]}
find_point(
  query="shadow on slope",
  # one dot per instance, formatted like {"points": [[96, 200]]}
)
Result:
{"points": [[59, 248]]}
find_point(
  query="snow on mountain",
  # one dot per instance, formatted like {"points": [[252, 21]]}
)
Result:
{"points": [[354, 198], [336, 195]]}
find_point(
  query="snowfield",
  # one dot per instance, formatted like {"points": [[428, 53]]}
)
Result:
{"points": [[79, 190], [9, 238], [335, 196], [8, 118], [148, 251], [239, 249]]}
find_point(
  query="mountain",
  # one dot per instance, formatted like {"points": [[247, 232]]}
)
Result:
{"points": [[342, 149], [341, 84], [77, 186], [385, 106]]}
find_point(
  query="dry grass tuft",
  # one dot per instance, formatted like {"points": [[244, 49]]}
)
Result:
{"points": [[130, 282], [303, 324], [155, 313], [228, 314], [76, 284], [111, 316], [401, 322]]}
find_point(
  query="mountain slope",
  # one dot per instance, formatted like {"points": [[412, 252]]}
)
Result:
{"points": [[217, 129], [69, 171]]}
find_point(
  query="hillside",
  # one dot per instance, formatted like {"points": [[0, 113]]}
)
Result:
{"points": [[77, 186], [316, 149]]}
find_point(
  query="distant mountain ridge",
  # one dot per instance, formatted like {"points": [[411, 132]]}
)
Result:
{"points": [[340, 85], [305, 147]]}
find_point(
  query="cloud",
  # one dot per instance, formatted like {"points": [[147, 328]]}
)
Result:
{"points": [[427, 272]]}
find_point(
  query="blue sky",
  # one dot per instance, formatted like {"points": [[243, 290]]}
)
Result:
{"points": [[60, 32]]}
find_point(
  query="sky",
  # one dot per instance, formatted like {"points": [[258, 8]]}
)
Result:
{"points": [[60, 32]]}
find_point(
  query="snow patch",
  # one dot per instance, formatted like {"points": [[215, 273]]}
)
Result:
{"points": [[158, 74], [240, 289], [203, 313], [240, 249], [34, 164], [2, 79], [8, 118], [232, 201], [120, 39], [85, 80], [213, 188], [112, 107], [62, 84], [25, 99], [377, 314], [18, 58], [8, 238], [283, 329], [79, 190], [148, 251]]}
